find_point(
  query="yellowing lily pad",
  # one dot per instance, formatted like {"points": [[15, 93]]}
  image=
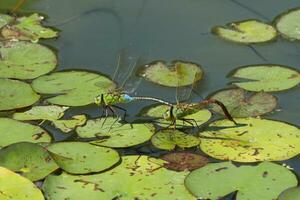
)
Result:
{"points": [[112, 133], [177, 74], [72, 88], [169, 139], [267, 78], [290, 194], [5, 19], [246, 32], [28, 28], [288, 25], [14, 186], [28, 159], [241, 104], [25, 60], [201, 116], [13, 131], [137, 177], [16, 94], [216, 180], [82, 158], [252, 140]]}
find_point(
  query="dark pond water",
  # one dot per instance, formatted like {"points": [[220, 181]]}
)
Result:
{"points": [[93, 33]]}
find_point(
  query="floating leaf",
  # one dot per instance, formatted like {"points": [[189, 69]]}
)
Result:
{"points": [[68, 125], [240, 104], [201, 116], [264, 181], [175, 75], [246, 32], [72, 88], [267, 78], [5, 19], [25, 60], [14, 186], [12, 131], [144, 180], [252, 140], [28, 28], [29, 159], [16, 94], [288, 25], [112, 133], [290, 194], [169, 139], [82, 158], [180, 161]]}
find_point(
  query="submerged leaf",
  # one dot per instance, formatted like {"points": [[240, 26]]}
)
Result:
{"points": [[144, 180], [112, 133], [29, 159], [247, 32], [169, 139], [72, 88], [264, 181], [267, 78], [82, 158], [175, 75], [28, 28], [14, 186], [252, 140], [290, 194], [240, 104], [25, 60]]}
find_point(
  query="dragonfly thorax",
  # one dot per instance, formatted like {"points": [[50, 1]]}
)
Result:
{"points": [[112, 98]]}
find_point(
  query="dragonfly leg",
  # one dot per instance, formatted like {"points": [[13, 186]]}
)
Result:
{"points": [[105, 115], [120, 108], [190, 121]]}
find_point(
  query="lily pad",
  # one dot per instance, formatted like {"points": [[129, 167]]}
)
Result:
{"points": [[72, 88], [240, 104], [112, 133], [13, 131], [264, 181], [144, 180], [5, 19], [252, 140], [14, 186], [201, 116], [25, 60], [290, 194], [288, 25], [28, 28], [177, 74], [30, 160], [267, 78], [246, 32], [169, 139], [68, 125], [16, 94], [180, 161], [82, 158]]}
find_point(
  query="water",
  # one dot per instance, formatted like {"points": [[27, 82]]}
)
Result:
{"points": [[93, 33]]}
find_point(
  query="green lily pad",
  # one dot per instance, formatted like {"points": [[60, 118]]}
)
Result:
{"points": [[82, 158], [240, 104], [246, 32], [68, 125], [252, 140], [169, 139], [112, 133], [16, 94], [5, 19], [290, 194], [14, 186], [267, 78], [177, 74], [30, 160], [144, 180], [180, 161], [13, 131], [25, 60], [201, 116], [288, 25], [264, 181], [28, 28], [72, 88]]}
